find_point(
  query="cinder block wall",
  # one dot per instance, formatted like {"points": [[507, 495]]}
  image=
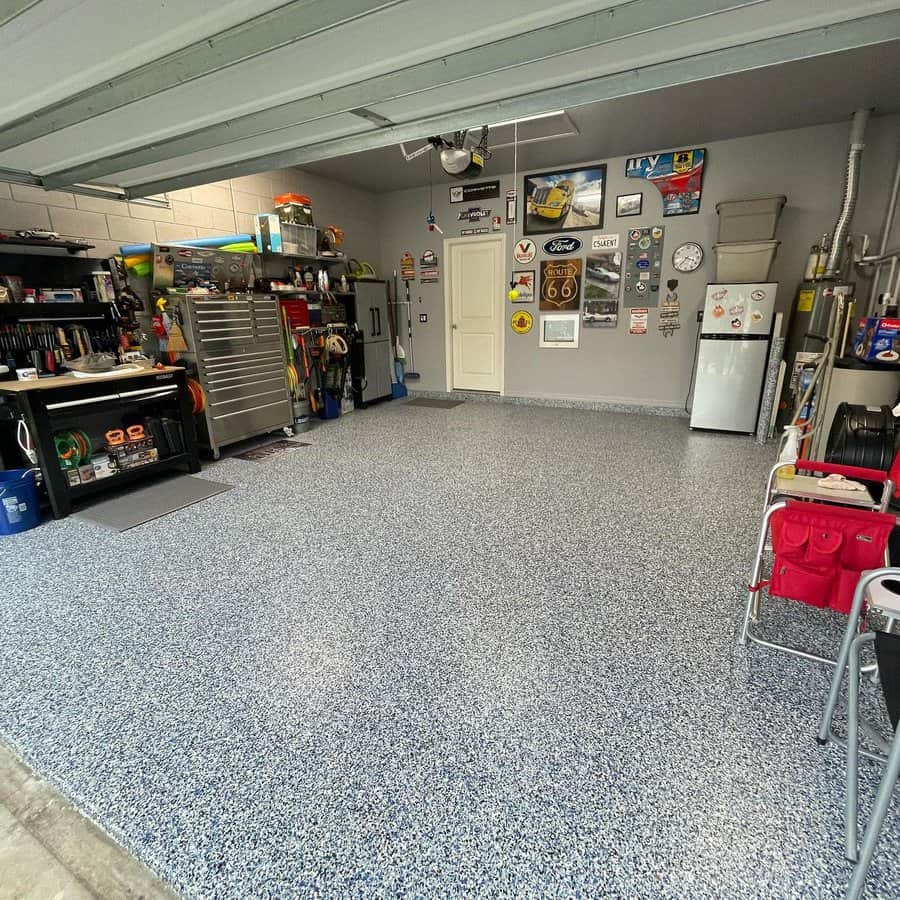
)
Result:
{"points": [[225, 207]]}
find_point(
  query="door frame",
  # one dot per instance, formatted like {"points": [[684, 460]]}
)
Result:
{"points": [[497, 237]]}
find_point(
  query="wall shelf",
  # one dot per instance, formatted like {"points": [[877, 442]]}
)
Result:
{"points": [[304, 256], [10, 244], [54, 312]]}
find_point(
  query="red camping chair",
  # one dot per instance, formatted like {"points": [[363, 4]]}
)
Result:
{"points": [[806, 486], [820, 552]]}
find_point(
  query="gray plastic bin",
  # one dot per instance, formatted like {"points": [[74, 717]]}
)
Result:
{"points": [[744, 261], [749, 220]]}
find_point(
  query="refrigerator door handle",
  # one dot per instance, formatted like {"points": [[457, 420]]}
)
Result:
{"points": [[378, 319], [372, 315]]}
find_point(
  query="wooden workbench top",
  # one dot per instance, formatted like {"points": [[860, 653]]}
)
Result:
{"points": [[64, 381]]}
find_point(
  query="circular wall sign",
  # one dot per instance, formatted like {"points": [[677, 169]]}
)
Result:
{"points": [[521, 322], [525, 250]]}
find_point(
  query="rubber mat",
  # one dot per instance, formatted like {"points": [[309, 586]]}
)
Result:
{"points": [[435, 404], [131, 508], [267, 451]]}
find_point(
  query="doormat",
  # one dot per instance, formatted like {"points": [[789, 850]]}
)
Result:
{"points": [[131, 508], [267, 451], [435, 404]]}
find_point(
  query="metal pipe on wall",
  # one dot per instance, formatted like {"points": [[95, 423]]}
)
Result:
{"points": [[886, 228], [851, 190]]}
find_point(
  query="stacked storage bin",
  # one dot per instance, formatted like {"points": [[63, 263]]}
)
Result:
{"points": [[747, 244]]}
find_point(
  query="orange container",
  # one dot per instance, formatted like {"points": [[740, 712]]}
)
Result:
{"points": [[295, 209]]}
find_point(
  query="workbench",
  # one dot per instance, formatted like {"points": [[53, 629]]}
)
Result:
{"points": [[41, 400]]}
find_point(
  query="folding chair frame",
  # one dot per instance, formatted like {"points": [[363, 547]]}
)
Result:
{"points": [[849, 655], [755, 588], [811, 465], [876, 820]]}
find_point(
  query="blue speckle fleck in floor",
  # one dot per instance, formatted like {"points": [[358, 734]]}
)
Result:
{"points": [[487, 651]]}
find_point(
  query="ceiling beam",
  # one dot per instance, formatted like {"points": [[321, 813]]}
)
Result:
{"points": [[17, 176], [285, 25], [11, 9], [637, 17], [760, 54]]}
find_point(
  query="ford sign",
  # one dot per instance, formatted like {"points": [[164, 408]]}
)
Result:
{"points": [[562, 246]]}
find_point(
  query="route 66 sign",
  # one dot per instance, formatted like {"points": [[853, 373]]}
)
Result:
{"points": [[560, 284]]}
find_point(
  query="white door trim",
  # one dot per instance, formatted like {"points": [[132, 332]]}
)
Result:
{"points": [[500, 316]]}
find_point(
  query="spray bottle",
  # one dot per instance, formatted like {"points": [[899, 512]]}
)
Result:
{"points": [[790, 452]]}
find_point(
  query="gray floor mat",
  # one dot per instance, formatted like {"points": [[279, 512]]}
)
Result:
{"points": [[435, 404], [131, 508]]}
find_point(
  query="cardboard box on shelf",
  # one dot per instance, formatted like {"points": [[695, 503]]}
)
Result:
{"points": [[878, 339]]}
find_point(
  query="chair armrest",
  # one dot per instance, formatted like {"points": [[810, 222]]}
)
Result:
{"points": [[813, 465]]}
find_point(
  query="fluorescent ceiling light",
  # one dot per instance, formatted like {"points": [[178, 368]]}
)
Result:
{"points": [[546, 115]]}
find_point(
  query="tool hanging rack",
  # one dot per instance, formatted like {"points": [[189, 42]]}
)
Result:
{"points": [[325, 371]]}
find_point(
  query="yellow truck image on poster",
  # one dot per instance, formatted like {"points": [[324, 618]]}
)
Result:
{"points": [[553, 202]]}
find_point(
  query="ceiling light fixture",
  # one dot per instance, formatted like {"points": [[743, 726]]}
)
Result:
{"points": [[546, 115]]}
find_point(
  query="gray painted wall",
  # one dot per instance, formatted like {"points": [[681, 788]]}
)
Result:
{"points": [[806, 165]]}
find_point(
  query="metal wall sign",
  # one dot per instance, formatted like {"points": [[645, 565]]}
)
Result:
{"points": [[562, 246], [467, 193], [472, 214], [561, 284], [604, 242], [511, 207], [521, 322], [525, 250], [678, 176], [643, 264]]}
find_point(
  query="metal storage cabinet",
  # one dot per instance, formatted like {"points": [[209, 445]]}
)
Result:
{"points": [[238, 349], [372, 320]]}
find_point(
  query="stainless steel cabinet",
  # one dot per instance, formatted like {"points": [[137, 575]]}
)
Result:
{"points": [[378, 355]]}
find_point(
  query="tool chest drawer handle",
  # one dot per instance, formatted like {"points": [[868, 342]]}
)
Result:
{"points": [[66, 404], [143, 392], [146, 393]]}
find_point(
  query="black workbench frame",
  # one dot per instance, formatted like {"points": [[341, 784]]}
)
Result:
{"points": [[33, 406]]}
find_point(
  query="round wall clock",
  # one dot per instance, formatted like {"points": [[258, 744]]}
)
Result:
{"points": [[687, 257]]}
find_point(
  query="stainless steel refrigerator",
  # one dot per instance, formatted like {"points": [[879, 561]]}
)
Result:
{"points": [[731, 360]]}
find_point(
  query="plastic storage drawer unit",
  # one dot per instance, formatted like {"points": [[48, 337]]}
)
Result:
{"points": [[744, 261], [749, 220]]}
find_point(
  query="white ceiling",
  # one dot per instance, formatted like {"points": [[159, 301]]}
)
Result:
{"points": [[148, 95], [754, 102]]}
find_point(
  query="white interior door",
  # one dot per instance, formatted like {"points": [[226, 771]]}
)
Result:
{"points": [[475, 304]]}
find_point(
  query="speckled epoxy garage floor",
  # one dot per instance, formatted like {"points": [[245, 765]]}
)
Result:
{"points": [[486, 651]]}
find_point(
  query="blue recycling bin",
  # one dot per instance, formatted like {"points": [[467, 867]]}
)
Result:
{"points": [[19, 509]]}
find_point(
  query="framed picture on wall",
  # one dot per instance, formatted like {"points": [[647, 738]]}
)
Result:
{"points": [[629, 205], [559, 330], [567, 200]]}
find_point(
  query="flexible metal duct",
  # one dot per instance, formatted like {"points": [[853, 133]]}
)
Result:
{"points": [[851, 189]]}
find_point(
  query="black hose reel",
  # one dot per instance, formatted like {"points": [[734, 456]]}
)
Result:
{"points": [[862, 436]]}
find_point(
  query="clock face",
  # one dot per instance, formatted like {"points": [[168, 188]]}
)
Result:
{"points": [[687, 257]]}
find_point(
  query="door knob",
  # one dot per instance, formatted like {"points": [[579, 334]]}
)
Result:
{"points": [[455, 326]]}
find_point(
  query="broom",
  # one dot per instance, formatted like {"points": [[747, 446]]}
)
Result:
{"points": [[411, 374]]}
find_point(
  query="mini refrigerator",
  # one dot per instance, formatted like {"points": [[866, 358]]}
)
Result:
{"points": [[732, 356]]}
